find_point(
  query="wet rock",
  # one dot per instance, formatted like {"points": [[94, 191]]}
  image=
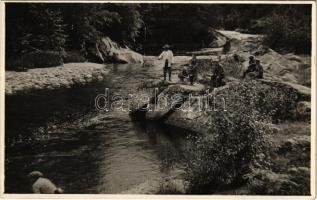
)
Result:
{"points": [[100, 78], [171, 99], [218, 39], [173, 186]]}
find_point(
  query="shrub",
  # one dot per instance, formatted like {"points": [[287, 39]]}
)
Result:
{"points": [[270, 183], [238, 141]]}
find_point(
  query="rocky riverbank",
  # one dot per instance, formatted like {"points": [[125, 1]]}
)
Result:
{"points": [[284, 93], [52, 78], [285, 87]]}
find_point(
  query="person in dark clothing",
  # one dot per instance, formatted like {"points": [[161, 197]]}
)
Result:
{"points": [[251, 60], [192, 70], [191, 73], [251, 67], [226, 47], [259, 69], [183, 74], [217, 75]]}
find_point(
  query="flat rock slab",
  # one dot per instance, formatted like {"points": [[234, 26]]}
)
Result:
{"points": [[168, 98]]}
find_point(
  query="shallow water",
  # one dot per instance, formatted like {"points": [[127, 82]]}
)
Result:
{"points": [[112, 156]]}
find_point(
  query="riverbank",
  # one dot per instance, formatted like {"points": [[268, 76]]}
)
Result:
{"points": [[52, 78], [72, 74], [285, 86]]}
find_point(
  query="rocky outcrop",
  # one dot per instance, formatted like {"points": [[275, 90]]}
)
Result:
{"points": [[171, 99], [287, 68], [218, 39], [107, 50]]}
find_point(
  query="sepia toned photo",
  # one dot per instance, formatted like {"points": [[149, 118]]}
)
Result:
{"points": [[164, 98]]}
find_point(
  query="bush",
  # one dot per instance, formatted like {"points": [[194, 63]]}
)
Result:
{"points": [[238, 141], [269, 183], [37, 59]]}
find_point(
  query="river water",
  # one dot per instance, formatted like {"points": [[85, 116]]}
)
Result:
{"points": [[111, 156]]}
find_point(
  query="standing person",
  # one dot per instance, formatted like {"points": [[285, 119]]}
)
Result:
{"points": [[192, 70], [226, 47], [217, 75], [167, 57], [41, 185]]}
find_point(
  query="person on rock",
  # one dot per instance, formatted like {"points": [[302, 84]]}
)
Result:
{"points": [[217, 75], [167, 57], [192, 70], [41, 185], [251, 60], [259, 69], [182, 75], [251, 67], [226, 47]]}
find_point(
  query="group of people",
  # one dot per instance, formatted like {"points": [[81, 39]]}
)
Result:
{"points": [[255, 69]]}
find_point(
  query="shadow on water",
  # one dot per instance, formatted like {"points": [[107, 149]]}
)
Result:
{"points": [[114, 155]]}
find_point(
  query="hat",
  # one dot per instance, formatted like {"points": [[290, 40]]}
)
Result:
{"points": [[35, 174], [166, 46]]}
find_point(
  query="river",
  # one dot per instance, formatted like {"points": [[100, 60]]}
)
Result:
{"points": [[111, 156]]}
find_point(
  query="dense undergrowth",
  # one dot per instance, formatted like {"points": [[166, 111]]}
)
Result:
{"points": [[238, 145]]}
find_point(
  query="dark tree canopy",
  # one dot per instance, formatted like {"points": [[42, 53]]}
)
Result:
{"points": [[40, 26]]}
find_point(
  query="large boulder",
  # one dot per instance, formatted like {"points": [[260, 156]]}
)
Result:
{"points": [[165, 103], [107, 50]]}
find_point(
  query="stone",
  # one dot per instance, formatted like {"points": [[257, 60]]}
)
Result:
{"points": [[303, 109], [109, 51]]}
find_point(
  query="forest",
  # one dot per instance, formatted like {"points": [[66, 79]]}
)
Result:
{"points": [[146, 27]]}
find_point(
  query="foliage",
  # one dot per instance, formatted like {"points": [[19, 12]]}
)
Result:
{"points": [[288, 31], [238, 142], [266, 182], [42, 26]]}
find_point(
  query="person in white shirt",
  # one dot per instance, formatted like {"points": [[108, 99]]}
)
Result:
{"points": [[167, 57]]}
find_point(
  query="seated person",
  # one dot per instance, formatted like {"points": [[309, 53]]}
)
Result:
{"points": [[259, 69], [41, 185], [183, 74], [255, 70], [251, 67]]}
